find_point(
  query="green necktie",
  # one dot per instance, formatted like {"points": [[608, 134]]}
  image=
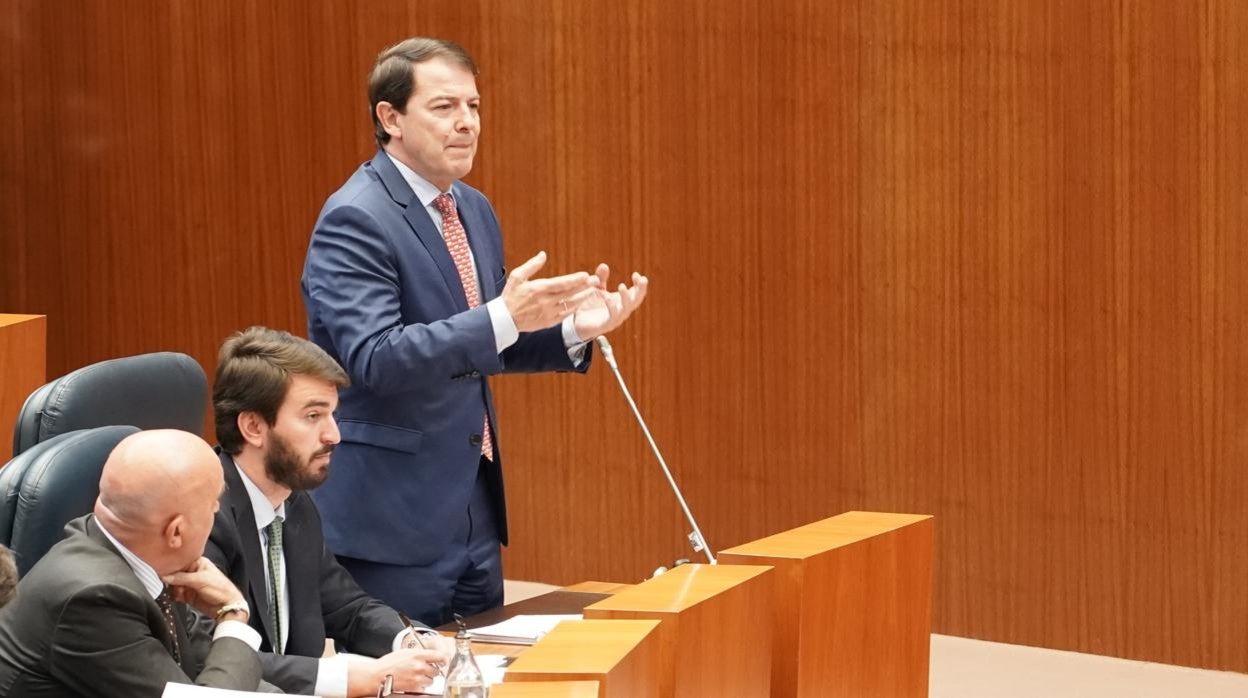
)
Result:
{"points": [[276, 574]]}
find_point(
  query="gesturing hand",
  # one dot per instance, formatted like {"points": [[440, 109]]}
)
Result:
{"points": [[536, 304], [604, 311]]}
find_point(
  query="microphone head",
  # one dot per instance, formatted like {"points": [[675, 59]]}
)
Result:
{"points": [[607, 354]]}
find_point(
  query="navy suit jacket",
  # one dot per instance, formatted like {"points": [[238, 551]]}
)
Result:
{"points": [[324, 600], [384, 298]]}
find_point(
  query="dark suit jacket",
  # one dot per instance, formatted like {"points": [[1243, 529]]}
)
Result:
{"points": [[324, 600], [83, 625], [384, 298]]}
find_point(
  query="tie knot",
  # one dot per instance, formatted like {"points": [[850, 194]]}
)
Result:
{"points": [[164, 599], [445, 203]]}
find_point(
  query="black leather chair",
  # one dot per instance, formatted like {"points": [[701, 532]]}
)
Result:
{"points": [[49, 485], [165, 390]]}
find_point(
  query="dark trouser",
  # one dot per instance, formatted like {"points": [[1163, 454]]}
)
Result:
{"points": [[466, 579]]}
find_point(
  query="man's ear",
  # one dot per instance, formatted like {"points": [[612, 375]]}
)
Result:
{"points": [[389, 118], [253, 428], [175, 532]]}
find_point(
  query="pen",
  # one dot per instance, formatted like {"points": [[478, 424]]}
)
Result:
{"points": [[411, 628]]}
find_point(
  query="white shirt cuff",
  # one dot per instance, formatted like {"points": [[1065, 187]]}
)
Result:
{"points": [[574, 344], [505, 332], [331, 677], [239, 631]]}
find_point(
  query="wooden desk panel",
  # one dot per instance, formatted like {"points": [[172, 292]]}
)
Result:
{"points": [[716, 626], [852, 605], [23, 367], [546, 689], [623, 656]]}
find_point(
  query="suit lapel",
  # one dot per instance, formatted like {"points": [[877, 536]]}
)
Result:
{"points": [[249, 538], [425, 230], [301, 572], [155, 617]]}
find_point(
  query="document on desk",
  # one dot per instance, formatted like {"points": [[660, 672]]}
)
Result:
{"points": [[183, 690], [520, 630], [437, 688], [494, 666]]}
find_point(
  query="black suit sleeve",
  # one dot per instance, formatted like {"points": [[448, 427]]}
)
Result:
{"points": [[225, 550], [103, 645], [362, 623], [293, 673]]}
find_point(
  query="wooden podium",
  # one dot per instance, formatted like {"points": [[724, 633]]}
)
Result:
{"points": [[545, 689], [23, 368], [622, 656], [716, 627], [852, 605]]}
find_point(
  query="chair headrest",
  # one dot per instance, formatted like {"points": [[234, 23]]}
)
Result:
{"points": [[163, 390], [57, 481]]}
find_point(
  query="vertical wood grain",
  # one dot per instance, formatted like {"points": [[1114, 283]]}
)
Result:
{"points": [[972, 258]]}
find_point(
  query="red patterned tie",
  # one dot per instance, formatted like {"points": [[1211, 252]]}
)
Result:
{"points": [[457, 245]]}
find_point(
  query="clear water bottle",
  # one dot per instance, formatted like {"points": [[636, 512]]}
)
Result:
{"points": [[464, 679]]}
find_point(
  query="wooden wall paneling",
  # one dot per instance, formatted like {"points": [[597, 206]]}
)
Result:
{"points": [[1224, 373], [970, 258]]}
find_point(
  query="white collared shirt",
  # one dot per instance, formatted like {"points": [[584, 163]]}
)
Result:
{"points": [[153, 585], [505, 332]]}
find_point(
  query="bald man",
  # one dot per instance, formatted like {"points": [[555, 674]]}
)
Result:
{"points": [[105, 612]]}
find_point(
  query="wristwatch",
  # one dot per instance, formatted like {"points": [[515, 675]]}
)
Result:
{"points": [[232, 608]]}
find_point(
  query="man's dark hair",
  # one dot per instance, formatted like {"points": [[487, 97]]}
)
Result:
{"points": [[392, 79], [254, 369]]}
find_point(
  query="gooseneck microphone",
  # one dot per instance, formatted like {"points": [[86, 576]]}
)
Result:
{"points": [[695, 537]]}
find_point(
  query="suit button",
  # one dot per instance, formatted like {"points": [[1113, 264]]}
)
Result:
{"points": [[475, 440]]}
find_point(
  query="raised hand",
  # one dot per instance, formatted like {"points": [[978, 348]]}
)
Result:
{"points": [[536, 304], [606, 310]]}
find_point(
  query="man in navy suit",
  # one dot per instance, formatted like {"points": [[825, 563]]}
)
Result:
{"points": [[404, 285]]}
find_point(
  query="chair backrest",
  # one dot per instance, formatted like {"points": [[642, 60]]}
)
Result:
{"points": [[164, 390], [49, 485]]}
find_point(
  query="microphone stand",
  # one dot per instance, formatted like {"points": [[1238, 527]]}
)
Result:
{"points": [[696, 538]]}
